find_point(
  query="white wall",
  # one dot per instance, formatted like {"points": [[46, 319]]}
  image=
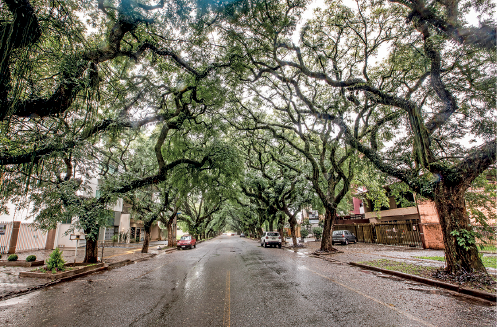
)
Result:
{"points": [[124, 224], [63, 241]]}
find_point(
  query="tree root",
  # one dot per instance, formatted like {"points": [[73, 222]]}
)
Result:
{"points": [[333, 251], [480, 280]]}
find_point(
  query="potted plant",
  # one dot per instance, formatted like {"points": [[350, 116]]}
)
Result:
{"points": [[317, 231], [303, 234]]}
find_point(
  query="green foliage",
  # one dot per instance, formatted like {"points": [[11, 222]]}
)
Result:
{"points": [[31, 258], [12, 257], [488, 261], [407, 268], [465, 238], [55, 262], [317, 231], [304, 233]]}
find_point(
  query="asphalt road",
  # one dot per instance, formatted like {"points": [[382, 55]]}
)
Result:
{"points": [[232, 281]]}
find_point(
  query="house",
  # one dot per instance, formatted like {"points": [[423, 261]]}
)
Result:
{"points": [[421, 213]]}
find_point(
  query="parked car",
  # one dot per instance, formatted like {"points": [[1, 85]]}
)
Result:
{"points": [[343, 236], [242, 235], [270, 239], [186, 241]]}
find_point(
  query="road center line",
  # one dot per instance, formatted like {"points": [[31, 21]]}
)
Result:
{"points": [[227, 300], [376, 300]]}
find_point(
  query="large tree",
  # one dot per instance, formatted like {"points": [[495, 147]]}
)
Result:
{"points": [[394, 77]]}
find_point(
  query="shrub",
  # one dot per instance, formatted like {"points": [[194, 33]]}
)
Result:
{"points": [[31, 258], [304, 233], [317, 231], [55, 262], [13, 257]]}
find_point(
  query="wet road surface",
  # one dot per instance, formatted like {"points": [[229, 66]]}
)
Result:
{"points": [[232, 281]]}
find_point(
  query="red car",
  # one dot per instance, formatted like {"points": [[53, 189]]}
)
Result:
{"points": [[186, 241]]}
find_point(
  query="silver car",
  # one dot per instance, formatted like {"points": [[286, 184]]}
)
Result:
{"points": [[343, 236]]}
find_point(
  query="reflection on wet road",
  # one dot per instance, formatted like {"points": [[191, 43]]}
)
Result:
{"points": [[231, 281]]}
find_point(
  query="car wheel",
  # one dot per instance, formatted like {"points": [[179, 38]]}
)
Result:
{"points": [[265, 245], [279, 245], [195, 245], [262, 244], [332, 243]]}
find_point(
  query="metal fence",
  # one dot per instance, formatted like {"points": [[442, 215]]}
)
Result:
{"points": [[28, 238], [405, 233], [5, 238]]}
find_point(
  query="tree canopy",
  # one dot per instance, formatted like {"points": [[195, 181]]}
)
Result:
{"points": [[247, 108]]}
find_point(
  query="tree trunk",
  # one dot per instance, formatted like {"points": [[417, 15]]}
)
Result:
{"points": [[170, 240], [293, 223], [294, 234], [91, 254], [329, 221], [270, 225], [451, 208], [146, 240], [280, 230]]}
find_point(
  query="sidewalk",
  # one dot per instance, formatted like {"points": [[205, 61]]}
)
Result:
{"points": [[11, 282], [369, 251]]}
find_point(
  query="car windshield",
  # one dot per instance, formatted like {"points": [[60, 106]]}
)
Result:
{"points": [[185, 238], [272, 234]]}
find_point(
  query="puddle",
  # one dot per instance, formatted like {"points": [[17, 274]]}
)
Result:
{"points": [[16, 300]]}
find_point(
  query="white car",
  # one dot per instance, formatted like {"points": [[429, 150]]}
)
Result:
{"points": [[271, 238]]}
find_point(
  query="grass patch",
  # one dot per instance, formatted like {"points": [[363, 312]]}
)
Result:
{"points": [[488, 261], [407, 268], [432, 258], [487, 247], [45, 271], [481, 282]]}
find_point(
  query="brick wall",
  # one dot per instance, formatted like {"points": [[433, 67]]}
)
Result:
{"points": [[430, 225]]}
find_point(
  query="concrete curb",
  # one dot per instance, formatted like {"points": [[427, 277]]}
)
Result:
{"points": [[463, 290], [65, 279]]}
